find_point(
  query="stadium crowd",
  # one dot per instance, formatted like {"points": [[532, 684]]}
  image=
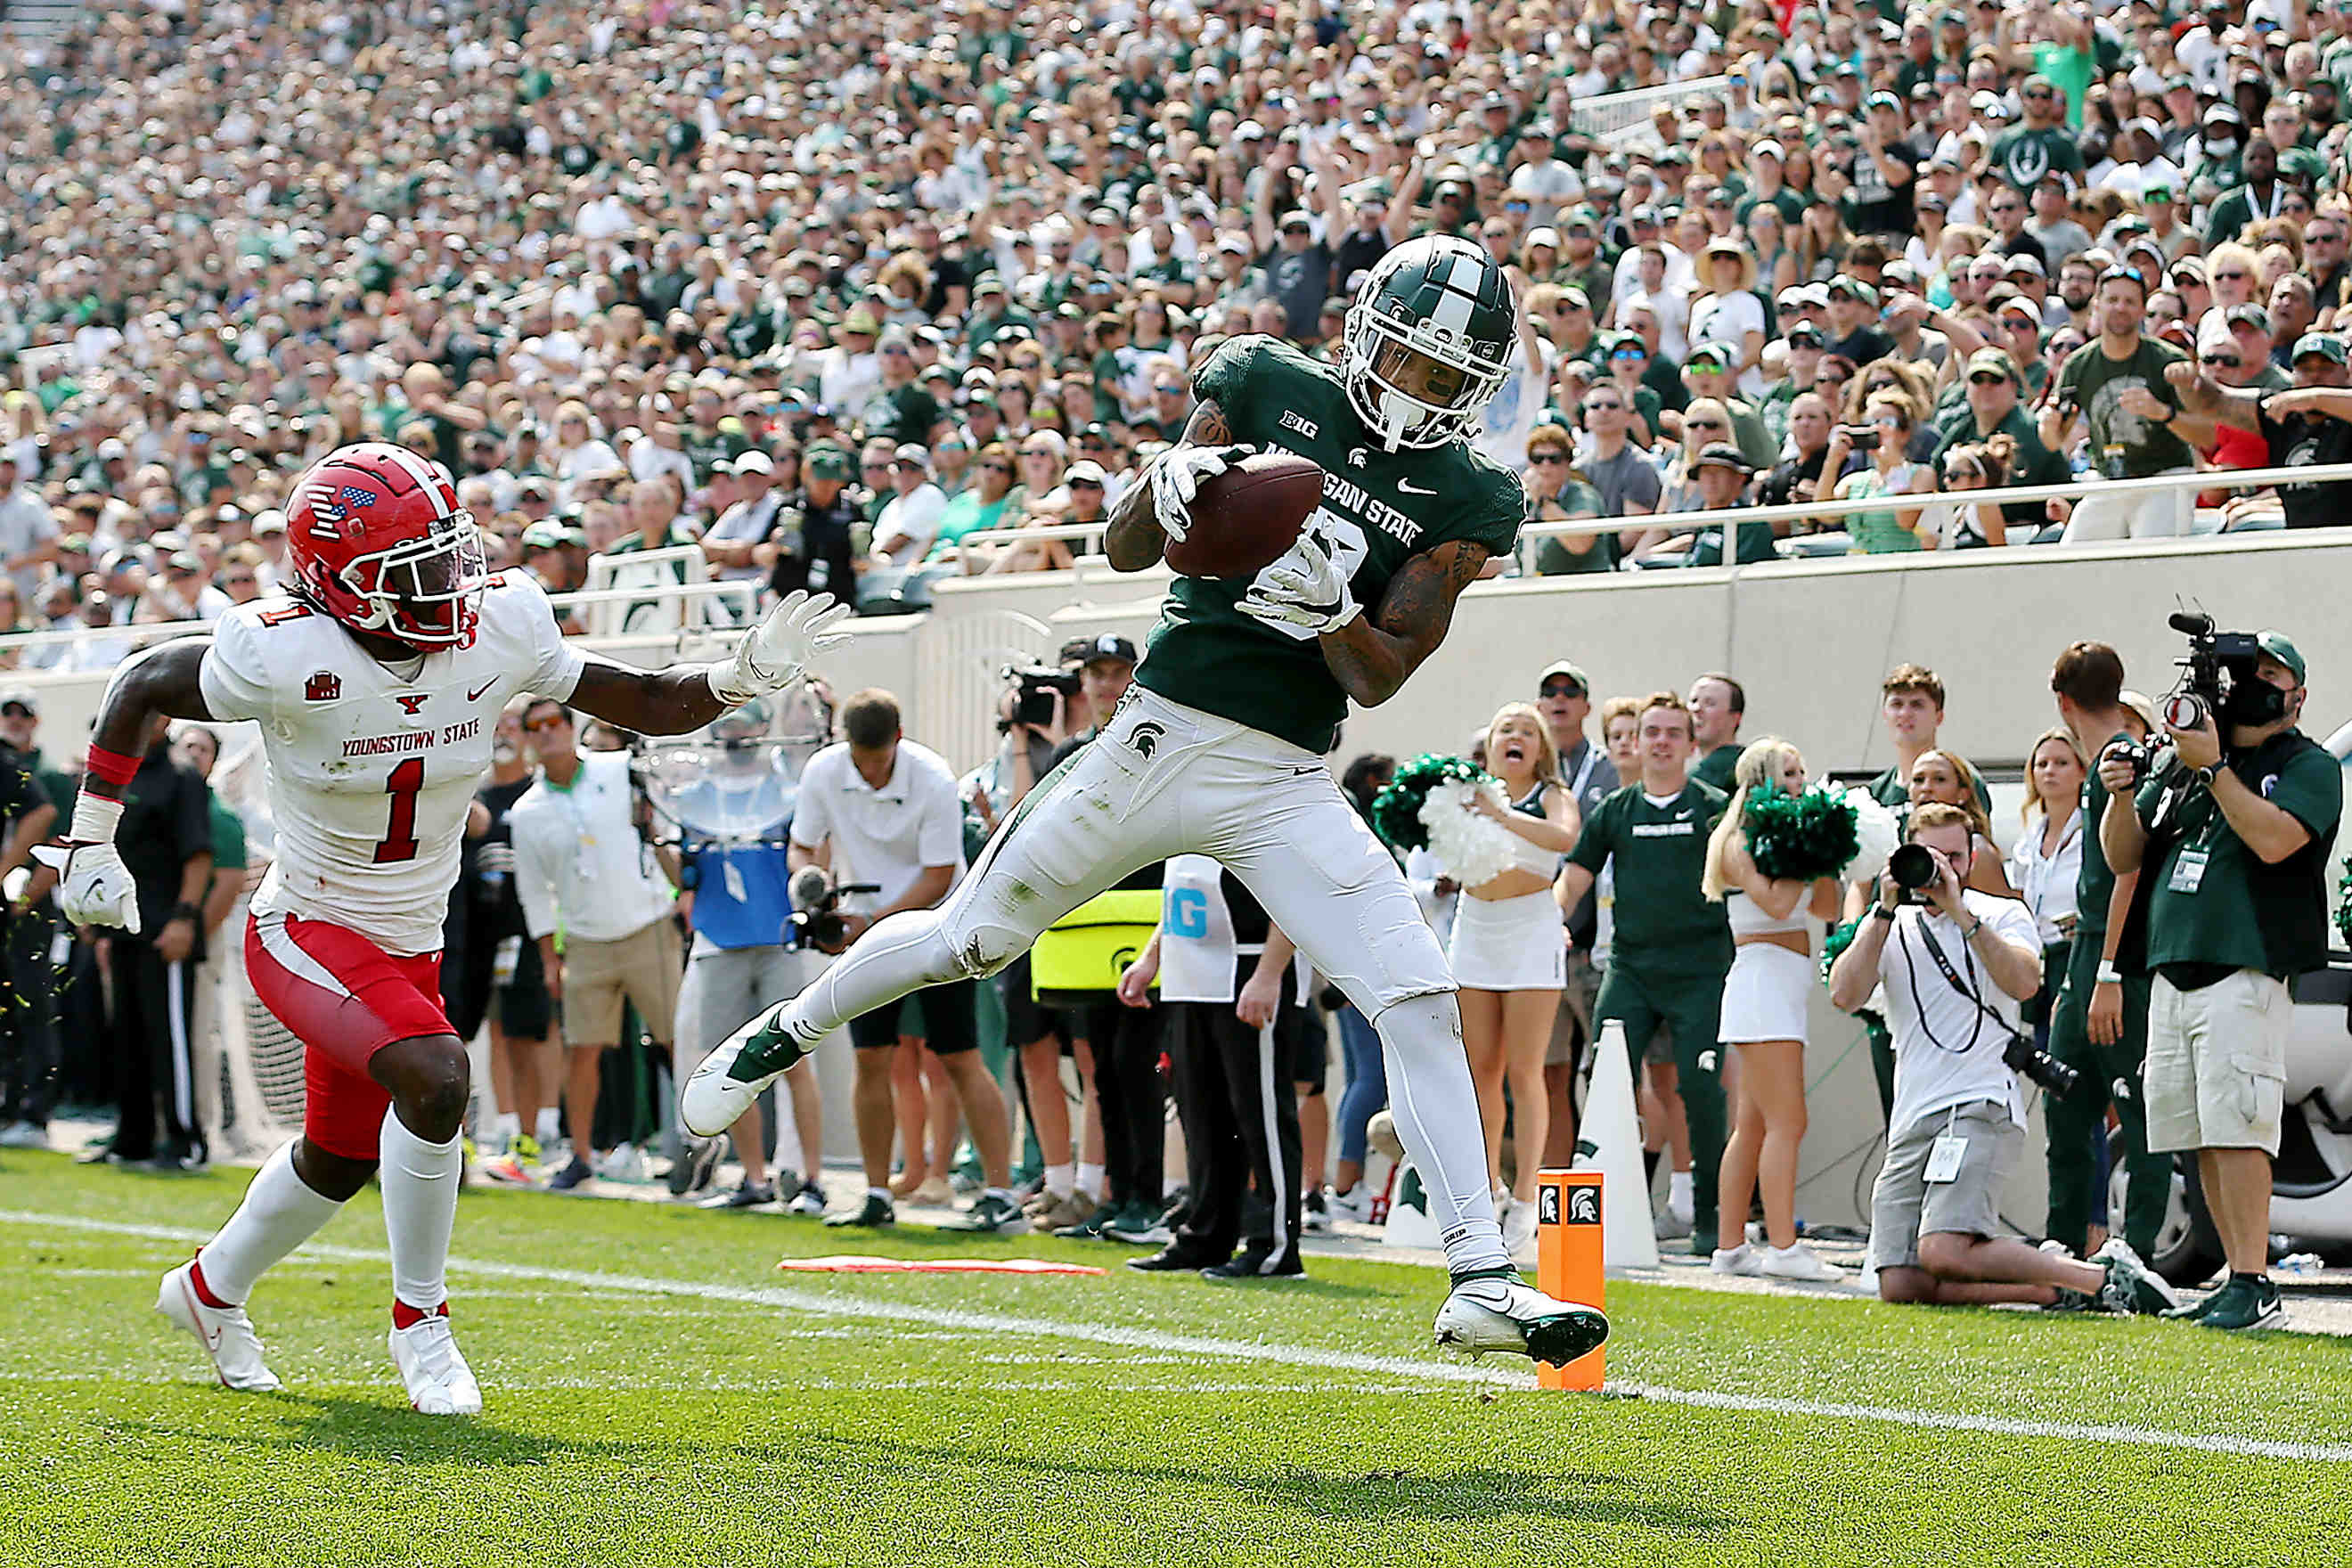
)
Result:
{"points": [[849, 297], [823, 290]]}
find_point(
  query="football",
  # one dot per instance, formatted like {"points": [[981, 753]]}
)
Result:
{"points": [[1247, 516]]}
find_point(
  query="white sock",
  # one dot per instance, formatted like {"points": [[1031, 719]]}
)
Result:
{"points": [[1436, 1114], [1061, 1181], [420, 1205], [280, 1212], [1092, 1180], [551, 1128], [1678, 1189]]}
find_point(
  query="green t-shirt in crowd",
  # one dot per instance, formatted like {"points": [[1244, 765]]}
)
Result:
{"points": [[1664, 920], [2123, 444], [2025, 154]]}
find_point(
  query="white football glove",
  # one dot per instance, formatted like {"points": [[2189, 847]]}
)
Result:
{"points": [[1305, 588], [1175, 477], [94, 887], [773, 654]]}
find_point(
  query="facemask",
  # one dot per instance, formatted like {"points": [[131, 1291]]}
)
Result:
{"points": [[2253, 703]]}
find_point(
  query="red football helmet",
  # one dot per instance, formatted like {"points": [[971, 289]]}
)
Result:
{"points": [[379, 541]]}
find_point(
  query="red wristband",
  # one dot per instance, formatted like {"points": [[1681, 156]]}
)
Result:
{"points": [[112, 768]]}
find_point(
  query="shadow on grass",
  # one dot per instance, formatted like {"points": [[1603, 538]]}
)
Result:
{"points": [[374, 1432]]}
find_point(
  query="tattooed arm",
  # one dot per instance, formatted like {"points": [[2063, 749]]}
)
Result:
{"points": [[1135, 540], [1374, 655]]}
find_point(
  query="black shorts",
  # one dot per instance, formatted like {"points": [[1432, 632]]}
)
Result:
{"points": [[949, 1023], [1027, 1020], [526, 1012], [1305, 1047]]}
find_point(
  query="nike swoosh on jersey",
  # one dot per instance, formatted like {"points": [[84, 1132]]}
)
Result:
{"points": [[1407, 487], [475, 694]]}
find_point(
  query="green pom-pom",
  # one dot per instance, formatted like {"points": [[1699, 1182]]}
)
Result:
{"points": [[1396, 810], [1841, 937], [1797, 838], [2344, 903]]}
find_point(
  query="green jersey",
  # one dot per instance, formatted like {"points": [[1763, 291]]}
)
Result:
{"points": [[1381, 508], [1663, 921], [2123, 444]]}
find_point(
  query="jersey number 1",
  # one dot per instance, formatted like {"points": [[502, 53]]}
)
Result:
{"points": [[408, 781]]}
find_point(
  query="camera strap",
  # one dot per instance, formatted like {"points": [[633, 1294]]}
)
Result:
{"points": [[1952, 977]]}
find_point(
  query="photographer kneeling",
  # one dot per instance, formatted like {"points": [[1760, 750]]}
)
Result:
{"points": [[1956, 963], [2233, 842]]}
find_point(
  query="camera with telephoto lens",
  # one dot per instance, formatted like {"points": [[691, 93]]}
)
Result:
{"points": [[2022, 1057], [817, 920], [1914, 870], [1038, 685], [2216, 676]]}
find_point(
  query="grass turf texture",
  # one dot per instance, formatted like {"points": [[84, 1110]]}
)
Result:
{"points": [[629, 1427]]}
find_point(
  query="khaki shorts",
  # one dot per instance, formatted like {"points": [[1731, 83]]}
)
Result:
{"points": [[2216, 1072], [643, 966], [1904, 1206]]}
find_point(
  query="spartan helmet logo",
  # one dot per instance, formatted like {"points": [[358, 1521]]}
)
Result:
{"points": [[1145, 738]]}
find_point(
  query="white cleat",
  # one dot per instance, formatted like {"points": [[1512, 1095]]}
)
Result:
{"points": [[439, 1381], [1490, 1312], [715, 1099], [225, 1332]]}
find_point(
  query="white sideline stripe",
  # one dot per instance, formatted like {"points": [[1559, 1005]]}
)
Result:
{"points": [[846, 1304]]}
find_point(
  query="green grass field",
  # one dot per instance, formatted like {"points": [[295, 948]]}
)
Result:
{"points": [[657, 1393]]}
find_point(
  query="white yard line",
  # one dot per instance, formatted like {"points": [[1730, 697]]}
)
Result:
{"points": [[842, 1303]]}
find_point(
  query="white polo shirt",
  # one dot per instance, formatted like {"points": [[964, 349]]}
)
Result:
{"points": [[887, 834], [1947, 1052], [578, 859]]}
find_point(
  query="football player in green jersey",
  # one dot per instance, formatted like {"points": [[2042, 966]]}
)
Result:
{"points": [[1218, 749]]}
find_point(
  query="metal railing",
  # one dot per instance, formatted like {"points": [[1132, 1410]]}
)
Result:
{"points": [[1613, 115], [139, 633]]}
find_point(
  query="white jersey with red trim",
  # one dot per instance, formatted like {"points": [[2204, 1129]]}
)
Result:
{"points": [[370, 775]]}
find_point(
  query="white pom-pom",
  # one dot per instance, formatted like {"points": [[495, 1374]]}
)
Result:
{"points": [[1878, 831], [1473, 849]]}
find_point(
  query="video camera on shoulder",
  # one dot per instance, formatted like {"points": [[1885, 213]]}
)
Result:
{"points": [[1038, 683], [2217, 681]]}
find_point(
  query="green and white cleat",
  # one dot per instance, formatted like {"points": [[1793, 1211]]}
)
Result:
{"points": [[722, 1089], [1498, 1312]]}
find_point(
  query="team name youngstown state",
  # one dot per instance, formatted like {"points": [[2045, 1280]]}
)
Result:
{"points": [[413, 741]]}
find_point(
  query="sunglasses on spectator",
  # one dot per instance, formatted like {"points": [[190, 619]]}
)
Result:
{"points": [[1547, 459], [996, 465], [1560, 689], [1602, 407], [1705, 424], [2224, 362], [1956, 474], [1988, 378], [2008, 206], [1085, 484], [2235, 274], [1629, 354], [552, 721]]}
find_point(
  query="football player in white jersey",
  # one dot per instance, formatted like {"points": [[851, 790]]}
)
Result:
{"points": [[377, 686]]}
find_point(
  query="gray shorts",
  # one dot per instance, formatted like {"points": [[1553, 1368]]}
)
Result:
{"points": [[1572, 1029], [726, 987], [1904, 1206]]}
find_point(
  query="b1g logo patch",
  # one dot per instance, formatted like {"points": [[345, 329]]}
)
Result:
{"points": [[1292, 420]]}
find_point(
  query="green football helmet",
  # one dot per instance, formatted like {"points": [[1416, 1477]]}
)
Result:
{"points": [[1428, 341]]}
